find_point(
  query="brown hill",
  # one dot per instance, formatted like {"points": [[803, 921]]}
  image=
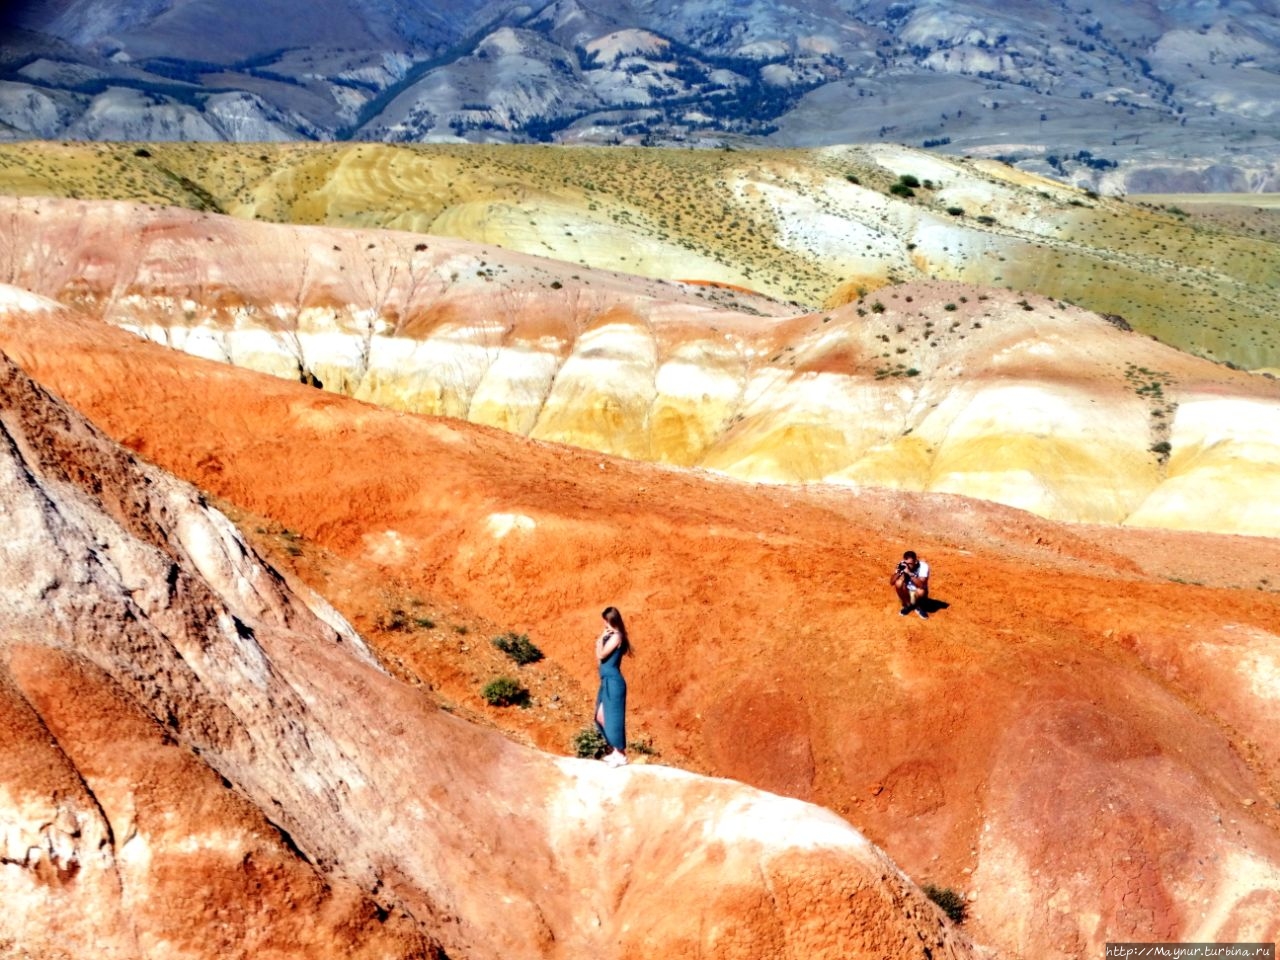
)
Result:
{"points": [[1081, 740], [805, 226], [199, 761]]}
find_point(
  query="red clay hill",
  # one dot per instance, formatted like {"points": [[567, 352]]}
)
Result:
{"points": [[199, 760], [1081, 740]]}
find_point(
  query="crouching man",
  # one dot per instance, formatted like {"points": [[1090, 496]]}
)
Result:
{"points": [[911, 582]]}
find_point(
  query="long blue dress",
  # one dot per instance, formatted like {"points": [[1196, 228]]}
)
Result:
{"points": [[613, 695]]}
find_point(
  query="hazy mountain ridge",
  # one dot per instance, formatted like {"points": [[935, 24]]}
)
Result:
{"points": [[1168, 97]]}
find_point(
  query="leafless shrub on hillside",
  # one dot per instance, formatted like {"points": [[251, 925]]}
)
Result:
{"points": [[374, 308], [289, 318], [9, 247]]}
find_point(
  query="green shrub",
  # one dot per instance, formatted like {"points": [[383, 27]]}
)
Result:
{"points": [[645, 747], [393, 620], [907, 180], [588, 743], [952, 903], [956, 211], [505, 692], [518, 647], [901, 190]]}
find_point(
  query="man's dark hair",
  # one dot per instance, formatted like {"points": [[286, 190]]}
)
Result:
{"points": [[909, 555]]}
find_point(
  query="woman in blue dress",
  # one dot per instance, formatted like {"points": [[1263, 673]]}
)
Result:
{"points": [[611, 702]]}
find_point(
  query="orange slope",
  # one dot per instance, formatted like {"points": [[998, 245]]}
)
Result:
{"points": [[1081, 742]]}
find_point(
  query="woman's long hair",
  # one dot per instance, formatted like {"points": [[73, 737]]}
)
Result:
{"points": [[614, 619]]}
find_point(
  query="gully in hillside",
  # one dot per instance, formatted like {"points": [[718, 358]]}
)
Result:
{"points": [[611, 702]]}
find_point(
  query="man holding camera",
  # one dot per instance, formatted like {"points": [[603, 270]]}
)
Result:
{"points": [[911, 582]]}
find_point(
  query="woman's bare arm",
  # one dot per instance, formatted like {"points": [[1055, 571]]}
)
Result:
{"points": [[606, 643]]}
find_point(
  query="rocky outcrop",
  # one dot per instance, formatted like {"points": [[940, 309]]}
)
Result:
{"points": [[201, 760], [805, 73], [142, 815], [936, 387]]}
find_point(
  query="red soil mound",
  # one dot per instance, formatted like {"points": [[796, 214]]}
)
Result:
{"points": [[1084, 744], [199, 761]]}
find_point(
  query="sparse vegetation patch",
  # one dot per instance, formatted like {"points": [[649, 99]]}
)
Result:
{"points": [[589, 744], [505, 692], [518, 647], [951, 902]]}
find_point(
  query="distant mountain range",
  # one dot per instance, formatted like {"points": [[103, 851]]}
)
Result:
{"points": [[1139, 97]]}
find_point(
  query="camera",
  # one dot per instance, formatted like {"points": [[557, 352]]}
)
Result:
{"points": [[902, 566]]}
